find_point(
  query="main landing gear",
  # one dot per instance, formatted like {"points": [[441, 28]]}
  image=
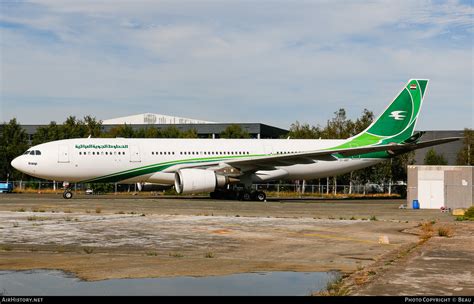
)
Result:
{"points": [[242, 195]]}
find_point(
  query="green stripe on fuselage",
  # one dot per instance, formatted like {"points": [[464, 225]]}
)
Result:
{"points": [[123, 175]]}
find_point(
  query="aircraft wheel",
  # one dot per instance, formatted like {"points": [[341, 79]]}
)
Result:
{"points": [[246, 196], [67, 194], [260, 196]]}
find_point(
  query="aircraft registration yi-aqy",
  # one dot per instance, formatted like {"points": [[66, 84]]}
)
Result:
{"points": [[217, 165]]}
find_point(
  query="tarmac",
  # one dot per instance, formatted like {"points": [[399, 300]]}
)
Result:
{"points": [[103, 237]]}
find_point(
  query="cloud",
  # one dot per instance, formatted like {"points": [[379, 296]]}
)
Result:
{"points": [[273, 62]]}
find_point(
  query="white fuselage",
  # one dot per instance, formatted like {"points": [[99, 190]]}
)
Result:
{"points": [[93, 159]]}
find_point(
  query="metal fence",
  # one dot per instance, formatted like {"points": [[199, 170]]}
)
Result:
{"points": [[276, 189], [324, 189]]}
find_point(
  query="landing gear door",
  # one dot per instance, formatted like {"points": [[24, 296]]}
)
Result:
{"points": [[135, 154], [63, 154]]}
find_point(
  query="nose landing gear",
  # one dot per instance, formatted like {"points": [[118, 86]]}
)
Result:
{"points": [[67, 194]]}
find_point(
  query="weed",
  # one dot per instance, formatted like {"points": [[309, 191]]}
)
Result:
{"points": [[352, 218], [371, 272], [373, 218], [98, 210], [88, 250], [335, 287], [151, 253], [176, 255], [67, 219], [6, 248], [445, 231], [469, 214], [21, 210], [15, 225], [143, 214], [209, 255], [88, 211], [67, 211], [42, 210], [237, 215], [37, 218], [426, 231], [342, 218], [120, 212]]}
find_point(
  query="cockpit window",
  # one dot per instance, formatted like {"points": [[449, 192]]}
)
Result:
{"points": [[27, 152]]}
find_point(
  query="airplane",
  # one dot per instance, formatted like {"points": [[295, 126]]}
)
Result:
{"points": [[228, 167]]}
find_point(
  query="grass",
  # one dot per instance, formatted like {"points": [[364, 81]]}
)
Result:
{"points": [[151, 253], [21, 210], [67, 211], [98, 210], [88, 250], [445, 231], [468, 215], [209, 255], [427, 231], [120, 212], [335, 286], [37, 218], [6, 248], [175, 255]]}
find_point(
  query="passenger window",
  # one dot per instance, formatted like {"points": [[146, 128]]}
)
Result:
{"points": [[80, 153], [93, 153], [32, 152]]}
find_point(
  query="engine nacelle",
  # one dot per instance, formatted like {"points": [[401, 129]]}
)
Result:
{"points": [[198, 180]]}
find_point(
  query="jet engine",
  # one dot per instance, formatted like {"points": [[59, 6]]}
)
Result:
{"points": [[199, 180]]}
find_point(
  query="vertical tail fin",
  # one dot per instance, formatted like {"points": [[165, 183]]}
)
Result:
{"points": [[397, 122]]}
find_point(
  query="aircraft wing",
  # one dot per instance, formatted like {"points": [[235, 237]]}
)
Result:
{"points": [[270, 162]]}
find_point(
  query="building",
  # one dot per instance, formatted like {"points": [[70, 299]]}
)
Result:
{"points": [[204, 129], [440, 186], [152, 119]]}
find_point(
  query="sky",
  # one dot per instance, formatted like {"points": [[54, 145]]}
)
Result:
{"points": [[274, 62]]}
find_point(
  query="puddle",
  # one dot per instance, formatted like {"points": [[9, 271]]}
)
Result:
{"points": [[56, 283]]}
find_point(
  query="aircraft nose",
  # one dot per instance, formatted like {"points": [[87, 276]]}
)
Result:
{"points": [[16, 163]]}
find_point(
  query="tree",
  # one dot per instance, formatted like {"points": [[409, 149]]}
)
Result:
{"points": [[170, 132], [48, 133], [92, 126], [303, 131], [465, 157], [234, 131], [122, 131], [13, 142], [434, 159], [191, 133]]}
